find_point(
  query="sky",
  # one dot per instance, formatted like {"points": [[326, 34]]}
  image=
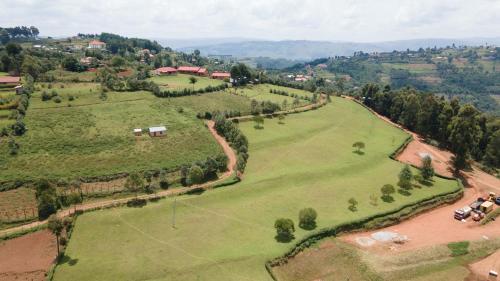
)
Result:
{"points": [[329, 20]]}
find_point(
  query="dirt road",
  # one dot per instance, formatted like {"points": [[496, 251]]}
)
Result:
{"points": [[231, 164], [438, 226]]}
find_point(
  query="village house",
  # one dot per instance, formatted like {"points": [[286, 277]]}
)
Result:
{"points": [[157, 131], [9, 80], [165, 71], [138, 132], [96, 44], [19, 89], [221, 75], [202, 72], [193, 70]]}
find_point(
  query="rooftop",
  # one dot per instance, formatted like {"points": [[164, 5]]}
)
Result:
{"points": [[9, 79], [157, 129]]}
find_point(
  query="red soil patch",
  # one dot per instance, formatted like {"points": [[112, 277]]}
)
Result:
{"points": [[28, 257], [481, 269]]}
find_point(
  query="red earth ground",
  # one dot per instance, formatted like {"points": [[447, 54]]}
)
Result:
{"points": [[27, 257], [480, 270]]}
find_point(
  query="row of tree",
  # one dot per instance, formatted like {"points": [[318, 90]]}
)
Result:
{"points": [[203, 171], [460, 128], [235, 137], [24, 32]]}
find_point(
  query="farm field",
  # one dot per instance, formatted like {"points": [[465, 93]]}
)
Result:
{"points": [[261, 93], [94, 137], [416, 68], [181, 81], [68, 76], [228, 233]]}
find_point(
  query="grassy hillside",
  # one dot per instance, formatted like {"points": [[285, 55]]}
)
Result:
{"points": [[181, 81], [228, 233], [87, 135]]}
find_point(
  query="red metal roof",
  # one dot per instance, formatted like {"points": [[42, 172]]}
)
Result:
{"points": [[166, 70], [202, 70], [221, 74], [96, 42], [9, 79], [193, 69]]}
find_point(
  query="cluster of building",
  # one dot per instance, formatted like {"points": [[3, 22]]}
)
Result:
{"points": [[193, 70], [156, 131]]}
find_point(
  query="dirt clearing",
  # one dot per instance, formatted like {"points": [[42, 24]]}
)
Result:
{"points": [[28, 257], [481, 268]]}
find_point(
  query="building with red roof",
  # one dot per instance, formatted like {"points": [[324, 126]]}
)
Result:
{"points": [[5, 80], [96, 44], [188, 69], [221, 75], [202, 72], [165, 71]]}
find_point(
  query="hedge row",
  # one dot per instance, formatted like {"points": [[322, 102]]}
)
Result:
{"points": [[189, 92]]}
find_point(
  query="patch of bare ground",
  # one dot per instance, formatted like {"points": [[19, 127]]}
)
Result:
{"points": [[28, 257]]}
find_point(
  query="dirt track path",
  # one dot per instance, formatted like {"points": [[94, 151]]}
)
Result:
{"points": [[231, 164], [438, 226]]}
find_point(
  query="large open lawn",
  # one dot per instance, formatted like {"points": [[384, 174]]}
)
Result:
{"points": [[228, 233], [261, 92], [89, 136], [181, 81]]}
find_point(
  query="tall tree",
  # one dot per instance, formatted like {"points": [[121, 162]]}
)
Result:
{"points": [[56, 226], [464, 135], [405, 177]]}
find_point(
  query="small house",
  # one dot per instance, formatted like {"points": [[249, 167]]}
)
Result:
{"points": [[138, 132], [96, 44], [188, 69], [202, 72], [19, 89], [157, 131], [221, 75]]}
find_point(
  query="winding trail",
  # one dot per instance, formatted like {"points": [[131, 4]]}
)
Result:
{"points": [[437, 226], [231, 165]]}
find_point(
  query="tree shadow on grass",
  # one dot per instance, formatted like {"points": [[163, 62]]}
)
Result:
{"points": [[256, 127], [427, 183], [308, 226], [404, 192], [358, 152], [196, 191], [67, 259], [387, 199], [284, 238]]}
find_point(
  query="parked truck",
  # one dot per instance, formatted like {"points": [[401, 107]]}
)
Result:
{"points": [[486, 207], [463, 213]]}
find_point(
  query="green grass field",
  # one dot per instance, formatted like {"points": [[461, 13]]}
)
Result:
{"points": [[415, 68], [228, 233], [68, 76], [93, 137], [181, 81], [261, 93]]}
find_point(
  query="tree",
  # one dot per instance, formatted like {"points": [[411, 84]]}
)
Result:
{"points": [[56, 226], [353, 204], [31, 66], [70, 63], [195, 175], [492, 153], [281, 119], [307, 218], [284, 229], [405, 177], [240, 74], [259, 122], [46, 198], [465, 134], [193, 80], [117, 61], [134, 183], [163, 179], [387, 191], [427, 171], [359, 145]]}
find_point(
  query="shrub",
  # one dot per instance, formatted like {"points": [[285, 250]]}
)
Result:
{"points": [[459, 248], [57, 100], [307, 218], [284, 229], [136, 202]]}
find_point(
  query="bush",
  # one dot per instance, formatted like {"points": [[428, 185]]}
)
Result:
{"points": [[136, 202], [459, 248], [284, 230], [57, 100], [307, 218]]}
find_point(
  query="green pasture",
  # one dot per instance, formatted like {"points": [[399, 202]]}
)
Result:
{"points": [[181, 81], [68, 76], [261, 93], [94, 137], [228, 233], [416, 68]]}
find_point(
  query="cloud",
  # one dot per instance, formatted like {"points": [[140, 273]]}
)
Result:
{"points": [[352, 20]]}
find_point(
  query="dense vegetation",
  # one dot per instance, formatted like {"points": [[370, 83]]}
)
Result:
{"points": [[462, 129]]}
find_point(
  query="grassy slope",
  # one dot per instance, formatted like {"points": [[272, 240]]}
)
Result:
{"points": [[94, 137], [261, 93], [181, 81], [227, 234]]}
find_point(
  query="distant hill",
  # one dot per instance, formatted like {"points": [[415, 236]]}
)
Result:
{"points": [[308, 50]]}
